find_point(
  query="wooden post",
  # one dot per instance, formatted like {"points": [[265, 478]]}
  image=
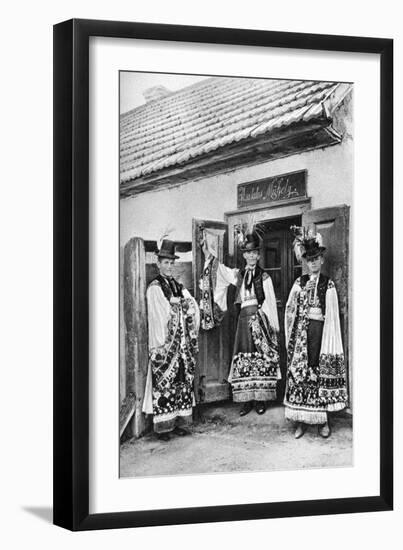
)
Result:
{"points": [[122, 329], [135, 314]]}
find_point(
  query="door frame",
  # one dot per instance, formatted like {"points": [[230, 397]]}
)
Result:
{"points": [[264, 214], [208, 391], [288, 276]]}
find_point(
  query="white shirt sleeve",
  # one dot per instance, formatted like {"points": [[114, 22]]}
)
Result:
{"points": [[159, 311], [331, 338], [225, 276], [269, 306]]}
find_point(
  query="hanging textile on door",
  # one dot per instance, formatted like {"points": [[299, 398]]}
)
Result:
{"points": [[211, 314]]}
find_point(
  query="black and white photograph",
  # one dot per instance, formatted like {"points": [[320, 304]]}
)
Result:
{"points": [[235, 274]]}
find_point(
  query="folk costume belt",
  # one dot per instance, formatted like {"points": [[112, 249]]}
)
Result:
{"points": [[315, 313]]}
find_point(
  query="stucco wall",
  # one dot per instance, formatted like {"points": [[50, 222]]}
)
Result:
{"points": [[147, 215]]}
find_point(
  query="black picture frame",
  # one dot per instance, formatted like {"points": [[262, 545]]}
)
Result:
{"points": [[71, 274]]}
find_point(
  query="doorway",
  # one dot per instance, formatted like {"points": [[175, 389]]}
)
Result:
{"points": [[216, 345], [278, 259]]}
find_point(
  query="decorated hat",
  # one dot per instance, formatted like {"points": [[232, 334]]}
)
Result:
{"points": [[312, 249], [247, 234], [307, 243], [251, 242], [167, 250]]}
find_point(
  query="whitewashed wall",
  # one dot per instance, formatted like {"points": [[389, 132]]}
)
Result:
{"points": [[147, 215]]}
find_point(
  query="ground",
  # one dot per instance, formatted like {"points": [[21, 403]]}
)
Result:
{"points": [[222, 441]]}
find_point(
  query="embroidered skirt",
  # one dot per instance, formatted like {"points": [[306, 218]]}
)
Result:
{"points": [[177, 408], [172, 369], [303, 393], [253, 374]]}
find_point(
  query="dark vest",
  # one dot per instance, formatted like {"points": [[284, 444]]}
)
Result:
{"points": [[257, 282], [170, 287], [321, 290]]}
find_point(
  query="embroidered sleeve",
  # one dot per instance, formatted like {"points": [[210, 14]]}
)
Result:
{"points": [[193, 308], [216, 278], [291, 309]]}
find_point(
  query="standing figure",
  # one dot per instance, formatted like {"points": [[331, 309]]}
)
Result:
{"points": [[173, 325], [255, 367], [316, 376]]}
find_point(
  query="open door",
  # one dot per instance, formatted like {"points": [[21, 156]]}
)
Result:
{"points": [[333, 225], [278, 259], [212, 367]]}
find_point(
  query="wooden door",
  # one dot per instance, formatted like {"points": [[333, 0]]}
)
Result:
{"points": [[136, 338], [333, 225], [213, 363], [277, 258]]}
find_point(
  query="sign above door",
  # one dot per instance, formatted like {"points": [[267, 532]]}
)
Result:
{"points": [[277, 188]]}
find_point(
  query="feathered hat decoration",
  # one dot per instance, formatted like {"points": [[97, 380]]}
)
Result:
{"points": [[307, 242], [165, 247], [166, 232], [247, 227]]}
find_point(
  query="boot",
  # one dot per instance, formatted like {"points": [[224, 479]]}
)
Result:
{"points": [[164, 436], [180, 431], [246, 408], [301, 429], [260, 407], [324, 430]]}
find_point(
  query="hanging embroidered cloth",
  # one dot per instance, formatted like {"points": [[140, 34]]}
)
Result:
{"points": [[211, 313]]}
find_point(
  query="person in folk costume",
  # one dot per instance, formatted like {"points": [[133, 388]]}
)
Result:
{"points": [[173, 325], [255, 366], [316, 375]]}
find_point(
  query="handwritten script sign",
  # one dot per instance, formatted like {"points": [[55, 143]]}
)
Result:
{"points": [[278, 188]]}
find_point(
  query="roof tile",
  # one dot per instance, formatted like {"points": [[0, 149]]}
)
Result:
{"points": [[212, 114]]}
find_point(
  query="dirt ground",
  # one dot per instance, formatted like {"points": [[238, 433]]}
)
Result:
{"points": [[222, 441]]}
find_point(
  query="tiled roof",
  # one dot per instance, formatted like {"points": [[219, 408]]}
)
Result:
{"points": [[212, 114]]}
